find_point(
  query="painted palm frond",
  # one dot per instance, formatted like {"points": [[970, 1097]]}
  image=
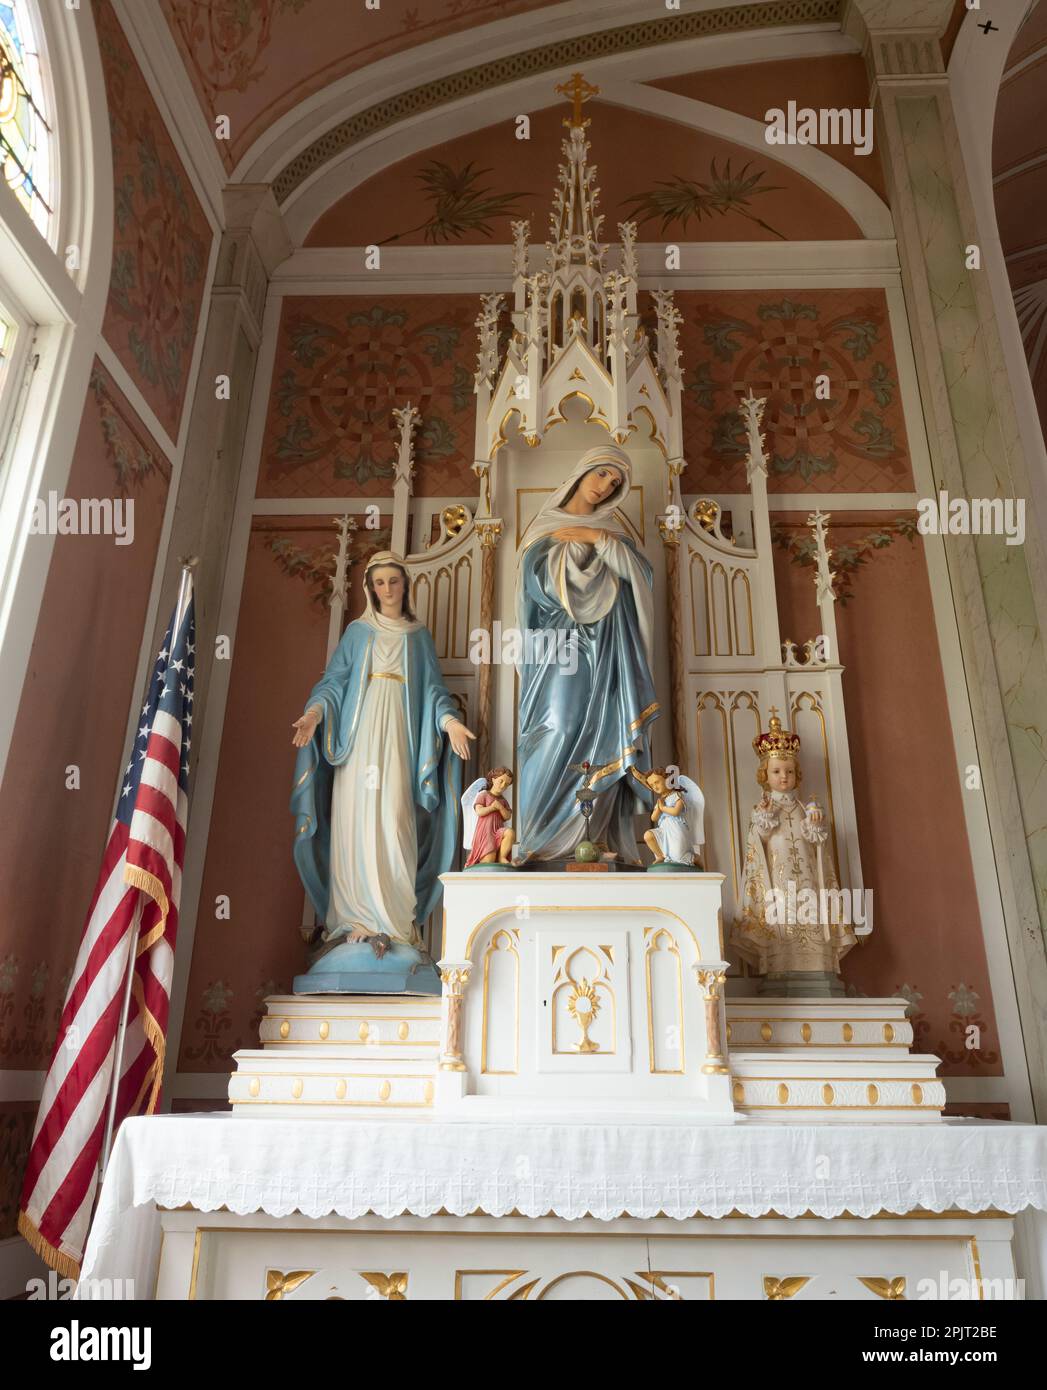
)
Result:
{"points": [[679, 199], [460, 205]]}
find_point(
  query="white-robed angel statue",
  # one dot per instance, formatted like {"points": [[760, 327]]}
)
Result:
{"points": [[677, 832], [377, 785]]}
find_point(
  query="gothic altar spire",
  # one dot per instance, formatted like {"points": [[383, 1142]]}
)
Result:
{"points": [[574, 223], [576, 327]]}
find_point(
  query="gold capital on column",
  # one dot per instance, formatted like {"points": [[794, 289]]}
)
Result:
{"points": [[454, 976], [711, 976]]}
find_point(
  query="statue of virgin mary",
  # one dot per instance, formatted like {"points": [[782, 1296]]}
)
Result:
{"points": [[376, 788], [582, 575]]}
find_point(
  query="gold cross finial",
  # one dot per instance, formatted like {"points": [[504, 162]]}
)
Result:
{"points": [[578, 90]]}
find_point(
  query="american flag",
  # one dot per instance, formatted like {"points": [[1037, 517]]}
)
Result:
{"points": [[135, 902]]}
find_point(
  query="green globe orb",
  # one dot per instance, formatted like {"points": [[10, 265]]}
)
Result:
{"points": [[586, 852]]}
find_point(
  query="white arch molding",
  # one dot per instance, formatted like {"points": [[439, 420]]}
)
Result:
{"points": [[66, 311], [350, 169]]}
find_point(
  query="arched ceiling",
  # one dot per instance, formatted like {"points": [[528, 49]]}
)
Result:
{"points": [[1020, 187], [254, 60], [326, 99], [468, 189]]}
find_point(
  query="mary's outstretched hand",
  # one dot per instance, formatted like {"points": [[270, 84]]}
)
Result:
{"points": [[305, 727], [459, 736]]}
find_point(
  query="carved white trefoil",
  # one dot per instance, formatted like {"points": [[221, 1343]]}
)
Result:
{"points": [[407, 418], [669, 321], [521, 239], [824, 577], [751, 409], [487, 324]]}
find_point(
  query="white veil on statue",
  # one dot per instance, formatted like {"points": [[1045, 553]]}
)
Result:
{"points": [[588, 595]]}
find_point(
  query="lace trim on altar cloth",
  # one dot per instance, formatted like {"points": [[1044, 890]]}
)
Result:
{"points": [[387, 1169], [604, 1201], [391, 1169]]}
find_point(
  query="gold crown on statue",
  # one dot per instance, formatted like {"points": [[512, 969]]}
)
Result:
{"points": [[777, 742]]}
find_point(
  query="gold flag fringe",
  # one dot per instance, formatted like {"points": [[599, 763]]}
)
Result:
{"points": [[63, 1264], [149, 883]]}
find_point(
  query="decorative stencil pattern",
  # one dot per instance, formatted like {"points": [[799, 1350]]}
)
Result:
{"points": [[161, 237], [342, 365], [255, 59], [779, 345]]}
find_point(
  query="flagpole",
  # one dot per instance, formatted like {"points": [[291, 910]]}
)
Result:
{"points": [[188, 565]]}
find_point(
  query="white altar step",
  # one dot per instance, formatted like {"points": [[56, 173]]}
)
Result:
{"points": [[760, 1023], [361, 1025], [314, 1081], [822, 1085], [790, 1060]]}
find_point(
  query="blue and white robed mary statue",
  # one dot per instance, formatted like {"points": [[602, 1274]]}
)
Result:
{"points": [[581, 574], [376, 794]]}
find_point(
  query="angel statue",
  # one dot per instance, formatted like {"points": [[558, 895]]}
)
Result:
{"points": [[786, 930], [375, 799], [678, 819], [486, 833], [581, 577]]}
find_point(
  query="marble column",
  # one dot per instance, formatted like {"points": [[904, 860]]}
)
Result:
{"points": [[999, 590], [253, 243]]}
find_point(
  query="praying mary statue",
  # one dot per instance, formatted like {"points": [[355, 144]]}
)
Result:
{"points": [[580, 575]]}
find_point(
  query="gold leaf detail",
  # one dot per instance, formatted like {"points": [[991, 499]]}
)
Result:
{"points": [[885, 1288], [390, 1286], [775, 1290], [277, 1283]]}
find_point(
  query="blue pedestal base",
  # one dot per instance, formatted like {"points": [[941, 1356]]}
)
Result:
{"points": [[353, 968]]}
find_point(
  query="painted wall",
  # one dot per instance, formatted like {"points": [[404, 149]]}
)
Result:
{"points": [[79, 686], [161, 237], [73, 714], [927, 941], [254, 62], [684, 183]]}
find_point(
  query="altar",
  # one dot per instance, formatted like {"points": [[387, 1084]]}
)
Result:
{"points": [[573, 1023], [222, 1207]]}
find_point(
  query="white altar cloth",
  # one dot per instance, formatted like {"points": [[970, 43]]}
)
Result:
{"points": [[418, 1167]]}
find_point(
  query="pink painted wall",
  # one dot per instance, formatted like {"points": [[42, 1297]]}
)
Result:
{"points": [[633, 154], [78, 692], [927, 934], [161, 237]]}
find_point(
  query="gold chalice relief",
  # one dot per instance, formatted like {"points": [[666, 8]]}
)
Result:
{"points": [[583, 1006]]}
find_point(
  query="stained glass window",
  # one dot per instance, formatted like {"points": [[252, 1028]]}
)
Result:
{"points": [[25, 136], [7, 343]]}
